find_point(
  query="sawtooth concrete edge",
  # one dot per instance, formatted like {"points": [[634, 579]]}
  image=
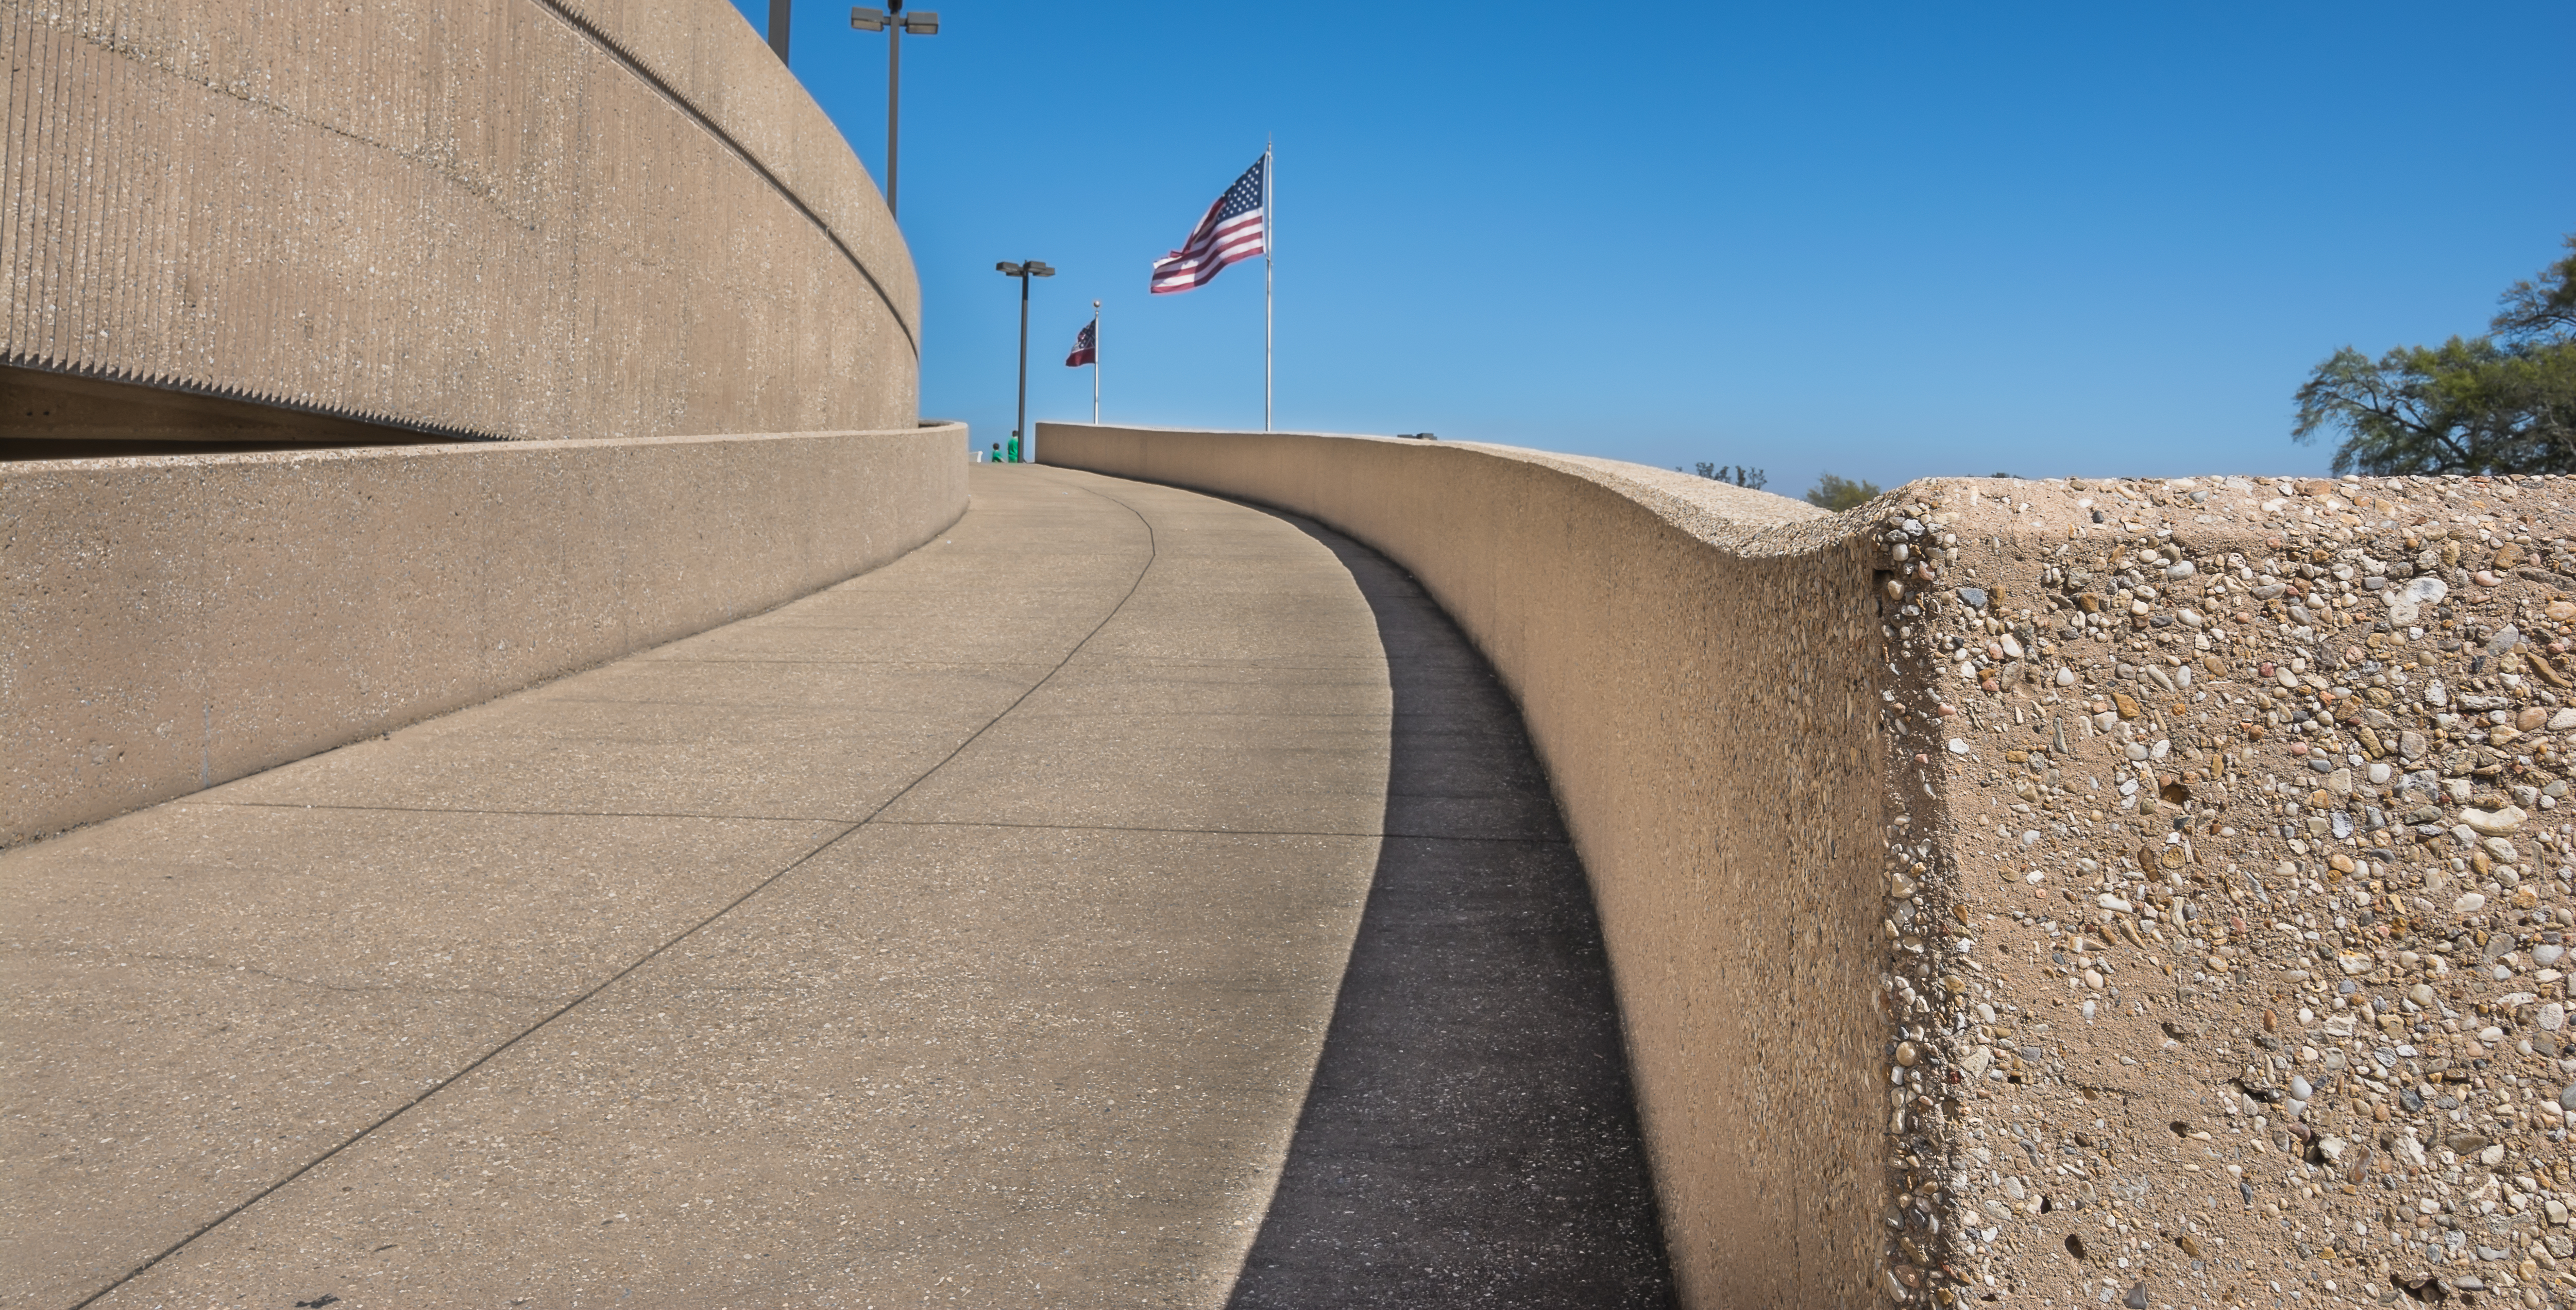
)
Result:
{"points": [[2070, 1026], [527, 219], [172, 622], [1698, 667]]}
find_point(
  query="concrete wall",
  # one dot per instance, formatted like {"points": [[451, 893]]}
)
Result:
{"points": [[2118, 891], [169, 623], [617, 232], [2233, 817], [1697, 665], [538, 219]]}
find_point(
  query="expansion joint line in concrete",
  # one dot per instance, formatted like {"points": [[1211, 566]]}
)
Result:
{"points": [[649, 956], [521, 814]]}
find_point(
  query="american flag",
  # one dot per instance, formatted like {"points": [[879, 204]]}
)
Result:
{"points": [[1086, 346], [1234, 229]]}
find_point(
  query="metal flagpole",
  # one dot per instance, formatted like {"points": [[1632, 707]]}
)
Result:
{"points": [[1095, 363], [1269, 237]]}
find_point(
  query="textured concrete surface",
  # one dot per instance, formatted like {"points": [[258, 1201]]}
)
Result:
{"points": [[538, 219], [2246, 854], [1471, 1138], [817, 960], [1697, 666], [2217, 947], [170, 623]]}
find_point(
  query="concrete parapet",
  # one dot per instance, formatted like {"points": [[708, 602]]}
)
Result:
{"points": [[1697, 665], [168, 623], [2137, 892], [536, 219]]}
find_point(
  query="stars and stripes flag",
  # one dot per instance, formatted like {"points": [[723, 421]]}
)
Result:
{"points": [[1234, 229], [1086, 346]]}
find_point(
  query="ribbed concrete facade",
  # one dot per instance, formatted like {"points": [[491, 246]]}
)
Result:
{"points": [[536, 219]]}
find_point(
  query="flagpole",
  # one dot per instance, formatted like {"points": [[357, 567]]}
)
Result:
{"points": [[1269, 238], [1095, 363]]}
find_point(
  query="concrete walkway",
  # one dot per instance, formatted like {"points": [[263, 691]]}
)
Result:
{"points": [[1076, 912]]}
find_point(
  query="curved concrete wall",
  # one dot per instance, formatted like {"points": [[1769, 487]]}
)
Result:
{"points": [[537, 219], [2083, 893], [1697, 665], [170, 623]]}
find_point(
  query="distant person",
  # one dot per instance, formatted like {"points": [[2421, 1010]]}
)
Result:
{"points": [[997, 452], [1015, 450]]}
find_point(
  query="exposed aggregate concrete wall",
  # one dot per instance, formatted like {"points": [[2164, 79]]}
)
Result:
{"points": [[539, 219], [2247, 881], [2003, 916], [169, 623]]}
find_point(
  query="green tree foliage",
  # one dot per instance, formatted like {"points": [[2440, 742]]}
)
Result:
{"points": [[1839, 494], [2501, 403], [1739, 476], [2545, 309]]}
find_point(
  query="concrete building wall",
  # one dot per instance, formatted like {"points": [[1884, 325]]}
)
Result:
{"points": [[540, 219], [617, 235], [1697, 665], [169, 623]]}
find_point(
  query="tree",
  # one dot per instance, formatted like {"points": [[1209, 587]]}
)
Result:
{"points": [[2501, 403], [1739, 475], [1839, 494], [2543, 310]]}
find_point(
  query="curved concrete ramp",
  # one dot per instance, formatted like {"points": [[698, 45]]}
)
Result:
{"points": [[966, 934]]}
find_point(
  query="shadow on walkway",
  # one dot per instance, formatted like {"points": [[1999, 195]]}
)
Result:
{"points": [[1470, 1137]]}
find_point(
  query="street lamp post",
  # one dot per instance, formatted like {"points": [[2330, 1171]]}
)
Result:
{"points": [[1023, 272], [894, 22]]}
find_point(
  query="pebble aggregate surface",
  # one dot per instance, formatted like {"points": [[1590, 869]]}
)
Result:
{"points": [[2228, 900]]}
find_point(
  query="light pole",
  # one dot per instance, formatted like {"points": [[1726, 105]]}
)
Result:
{"points": [[1023, 272], [894, 22]]}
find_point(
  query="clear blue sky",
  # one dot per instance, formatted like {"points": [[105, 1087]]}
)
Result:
{"points": [[1886, 240]]}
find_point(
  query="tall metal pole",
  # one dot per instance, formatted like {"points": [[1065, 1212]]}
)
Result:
{"points": [[892, 21], [778, 27], [1269, 238], [1019, 430], [1095, 363], [894, 95], [1024, 270]]}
